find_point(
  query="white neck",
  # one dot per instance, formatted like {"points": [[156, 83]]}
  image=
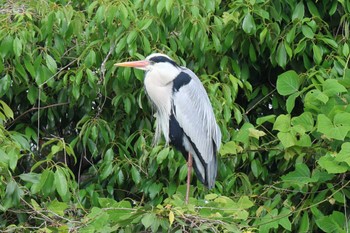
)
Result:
{"points": [[158, 84]]}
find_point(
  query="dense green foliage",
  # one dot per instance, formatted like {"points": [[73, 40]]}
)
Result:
{"points": [[76, 133]]}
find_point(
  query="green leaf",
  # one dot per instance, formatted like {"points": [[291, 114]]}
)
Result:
{"points": [[98, 218], [338, 129], [51, 63], [2, 66], [45, 185], [344, 154], [243, 134], [131, 37], [148, 219], [30, 68], [298, 12], [329, 163], [229, 148], [6, 46], [13, 154], [304, 223], [146, 44], [160, 6], [154, 190], [216, 42], [100, 14], [61, 182], [300, 176], [168, 5], [288, 83], [282, 123], [13, 194], [262, 35], [144, 24], [78, 77], [183, 172], [320, 175], [90, 59], [269, 118], [6, 110], [120, 45], [252, 53], [109, 155], [92, 78], [20, 140], [307, 32], [76, 91], [263, 13], [4, 158], [127, 105], [5, 84], [331, 42], [333, 8], [305, 120], [244, 202], [312, 8], [287, 139], [106, 170], [300, 47], [57, 207], [256, 133], [17, 47], [120, 177], [288, 49], [20, 70], [163, 154], [210, 196], [91, 7], [317, 54], [281, 55], [284, 220], [330, 223], [314, 95], [268, 221], [291, 35], [290, 103], [135, 174], [345, 50], [332, 87], [30, 177], [248, 24]]}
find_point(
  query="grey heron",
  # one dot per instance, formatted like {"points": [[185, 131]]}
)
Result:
{"points": [[184, 114]]}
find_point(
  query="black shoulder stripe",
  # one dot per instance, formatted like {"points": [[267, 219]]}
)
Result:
{"points": [[181, 80]]}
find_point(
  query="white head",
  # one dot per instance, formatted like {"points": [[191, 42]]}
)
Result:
{"points": [[159, 66]]}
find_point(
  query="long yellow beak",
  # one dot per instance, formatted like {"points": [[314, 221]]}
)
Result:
{"points": [[134, 64]]}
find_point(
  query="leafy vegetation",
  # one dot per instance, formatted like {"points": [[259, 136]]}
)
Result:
{"points": [[76, 133]]}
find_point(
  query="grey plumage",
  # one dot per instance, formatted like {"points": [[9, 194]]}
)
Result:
{"points": [[196, 117]]}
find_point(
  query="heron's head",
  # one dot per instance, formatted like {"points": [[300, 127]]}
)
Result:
{"points": [[155, 60]]}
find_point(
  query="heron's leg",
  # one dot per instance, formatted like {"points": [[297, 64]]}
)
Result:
{"points": [[189, 170]]}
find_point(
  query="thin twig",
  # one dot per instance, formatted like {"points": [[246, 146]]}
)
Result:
{"points": [[103, 65], [59, 71], [33, 109], [257, 103], [38, 126], [102, 78], [305, 208]]}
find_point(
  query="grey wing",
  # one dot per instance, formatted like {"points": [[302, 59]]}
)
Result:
{"points": [[195, 115]]}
